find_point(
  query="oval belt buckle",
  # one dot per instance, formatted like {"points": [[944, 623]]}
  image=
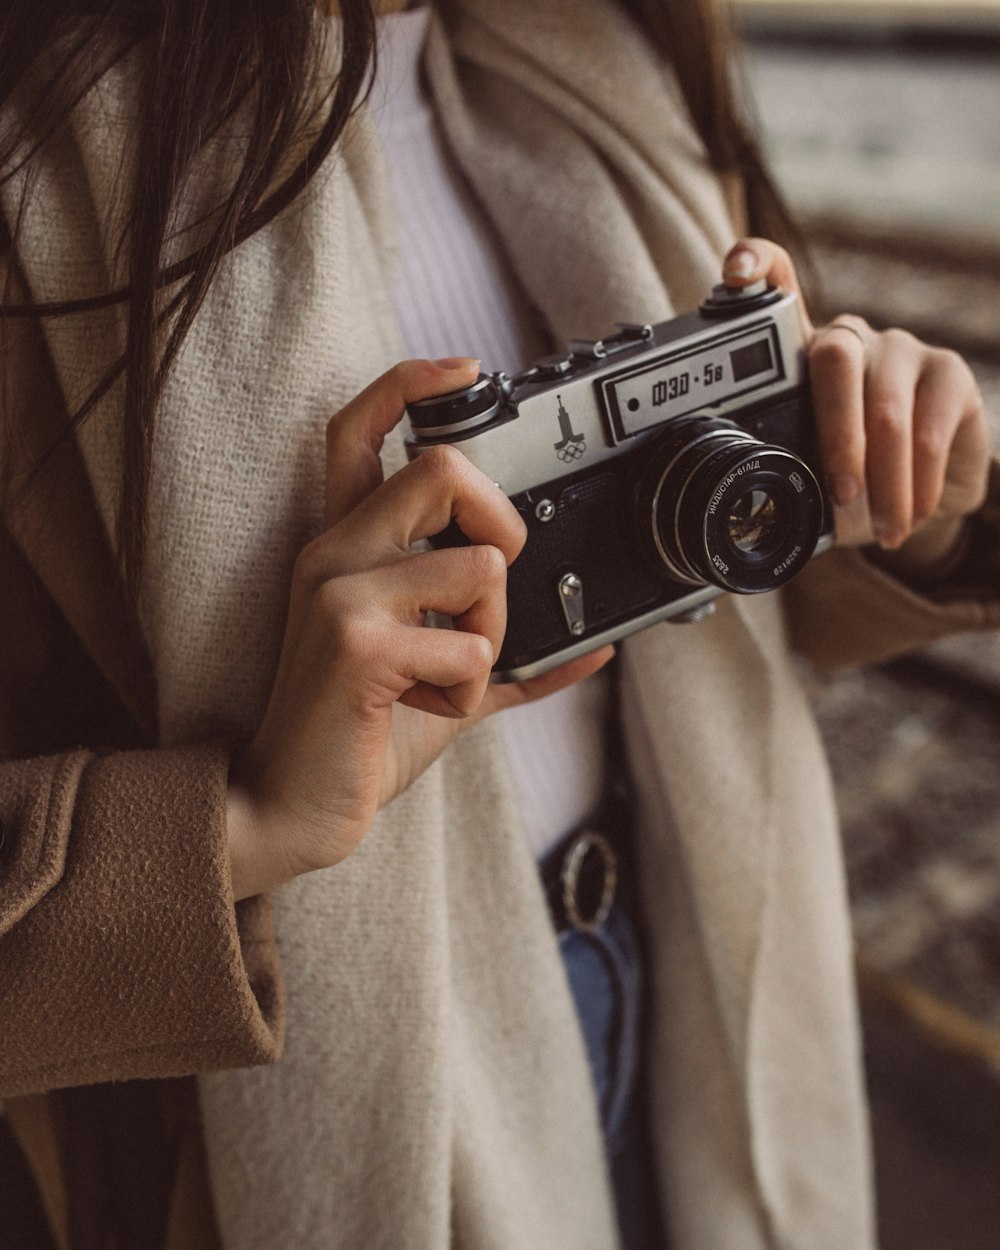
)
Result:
{"points": [[586, 908]]}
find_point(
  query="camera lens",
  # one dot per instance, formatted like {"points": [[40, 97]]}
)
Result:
{"points": [[727, 509]]}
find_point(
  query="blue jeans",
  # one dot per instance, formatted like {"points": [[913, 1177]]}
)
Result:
{"points": [[604, 969]]}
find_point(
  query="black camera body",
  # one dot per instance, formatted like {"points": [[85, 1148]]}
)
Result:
{"points": [[655, 470]]}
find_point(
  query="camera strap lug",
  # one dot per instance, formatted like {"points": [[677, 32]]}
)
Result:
{"points": [[587, 349], [633, 332], [571, 598], [631, 335]]}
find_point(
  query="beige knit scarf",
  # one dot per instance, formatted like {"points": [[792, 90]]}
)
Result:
{"points": [[432, 1085]]}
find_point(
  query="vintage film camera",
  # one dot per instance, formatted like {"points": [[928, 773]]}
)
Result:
{"points": [[655, 470]]}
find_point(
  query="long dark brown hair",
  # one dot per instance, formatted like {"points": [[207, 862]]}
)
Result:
{"points": [[204, 61]]}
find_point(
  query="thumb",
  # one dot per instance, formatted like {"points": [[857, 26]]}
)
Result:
{"points": [[513, 694]]}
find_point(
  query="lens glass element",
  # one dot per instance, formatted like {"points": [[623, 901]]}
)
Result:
{"points": [[756, 523]]}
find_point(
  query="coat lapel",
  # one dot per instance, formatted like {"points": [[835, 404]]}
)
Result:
{"points": [[54, 520]]}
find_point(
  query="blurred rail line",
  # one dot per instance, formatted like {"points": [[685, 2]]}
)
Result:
{"points": [[943, 294], [979, 258], [931, 24], [976, 689]]}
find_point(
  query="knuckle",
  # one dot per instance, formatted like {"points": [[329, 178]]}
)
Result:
{"points": [[334, 427], [400, 373], [486, 654], [957, 370], [317, 562], [333, 602], [898, 340], [488, 564], [442, 464], [342, 426], [349, 612], [411, 377], [834, 353], [480, 653], [309, 569], [930, 442], [356, 639], [884, 417], [976, 408]]}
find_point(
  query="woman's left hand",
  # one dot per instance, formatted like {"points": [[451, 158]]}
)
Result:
{"points": [[903, 435]]}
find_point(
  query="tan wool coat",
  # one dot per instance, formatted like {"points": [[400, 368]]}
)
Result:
{"points": [[388, 1051]]}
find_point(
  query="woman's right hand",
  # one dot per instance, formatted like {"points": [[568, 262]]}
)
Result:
{"points": [[366, 696]]}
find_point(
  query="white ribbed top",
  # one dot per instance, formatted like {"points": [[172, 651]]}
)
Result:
{"points": [[454, 292], [455, 295]]}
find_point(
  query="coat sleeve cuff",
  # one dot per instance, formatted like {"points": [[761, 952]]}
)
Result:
{"points": [[122, 953], [845, 610]]}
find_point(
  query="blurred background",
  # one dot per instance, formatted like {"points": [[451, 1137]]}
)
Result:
{"points": [[882, 121]]}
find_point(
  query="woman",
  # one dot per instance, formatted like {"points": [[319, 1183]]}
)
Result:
{"points": [[434, 1087]]}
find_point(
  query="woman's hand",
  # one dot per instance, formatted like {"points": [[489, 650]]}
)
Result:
{"points": [[903, 435], [366, 696]]}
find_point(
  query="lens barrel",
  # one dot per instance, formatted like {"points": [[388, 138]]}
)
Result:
{"points": [[727, 509]]}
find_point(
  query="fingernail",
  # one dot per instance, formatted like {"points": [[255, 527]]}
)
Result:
{"points": [[845, 488], [739, 264], [889, 539], [458, 362]]}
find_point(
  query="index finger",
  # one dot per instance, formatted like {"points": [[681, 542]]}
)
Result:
{"points": [[354, 436], [751, 259]]}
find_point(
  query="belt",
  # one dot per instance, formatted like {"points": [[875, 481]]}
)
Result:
{"points": [[584, 873], [581, 879]]}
